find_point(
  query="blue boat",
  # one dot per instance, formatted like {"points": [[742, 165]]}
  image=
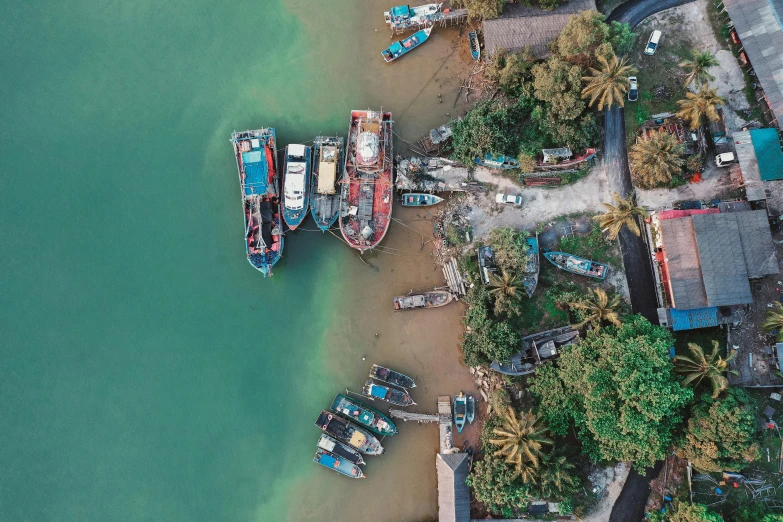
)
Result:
{"points": [[406, 45], [373, 390], [335, 463], [532, 266], [497, 162], [475, 48], [256, 155], [296, 185], [460, 411], [577, 265], [328, 169]]}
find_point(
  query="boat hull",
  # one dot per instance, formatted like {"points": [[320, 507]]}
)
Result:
{"points": [[335, 463], [475, 48], [434, 299], [471, 407], [363, 415], [349, 433], [420, 200], [391, 395], [325, 207], [294, 216], [340, 449], [399, 49], [577, 265], [532, 267], [381, 373], [497, 162], [460, 412]]}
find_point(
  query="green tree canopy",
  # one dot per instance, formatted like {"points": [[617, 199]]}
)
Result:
{"points": [[584, 37], [511, 70], [491, 126], [483, 9], [489, 341], [559, 83], [510, 248], [692, 513], [497, 485]]}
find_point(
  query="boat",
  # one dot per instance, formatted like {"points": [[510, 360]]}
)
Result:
{"points": [[493, 161], [406, 45], [405, 17], [328, 168], [420, 200], [349, 433], [256, 156], [471, 408], [577, 265], [562, 158], [363, 415], [532, 266], [373, 390], [335, 447], [384, 374], [475, 48], [432, 299], [366, 195], [486, 261], [537, 349], [460, 411], [338, 464], [296, 185]]}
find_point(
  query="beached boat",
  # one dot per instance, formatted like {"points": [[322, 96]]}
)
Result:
{"points": [[475, 48], [335, 447], [537, 349], [373, 390], [577, 265], [363, 415], [366, 195], [338, 464], [349, 433], [405, 17], [384, 374], [420, 200], [460, 411], [296, 185], [486, 261], [328, 168], [532, 266], [497, 162], [256, 156], [406, 45], [432, 299], [563, 158], [471, 413]]}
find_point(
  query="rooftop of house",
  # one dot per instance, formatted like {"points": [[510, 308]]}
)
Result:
{"points": [[760, 158], [453, 492]]}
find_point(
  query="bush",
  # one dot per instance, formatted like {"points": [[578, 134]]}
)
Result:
{"points": [[483, 9], [490, 126], [497, 486], [510, 248]]}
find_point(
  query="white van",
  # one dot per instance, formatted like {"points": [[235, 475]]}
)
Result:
{"points": [[725, 159], [652, 43]]}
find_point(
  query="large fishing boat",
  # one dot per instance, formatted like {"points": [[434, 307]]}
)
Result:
{"points": [[348, 432], [363, 415], [296, 185], [335, 447], [405, 17], [406, 45], [366, 196], [532, 266], [577, 265], [256, 155], [384, 374], [328, 168], [373, 390], [335, 463]]}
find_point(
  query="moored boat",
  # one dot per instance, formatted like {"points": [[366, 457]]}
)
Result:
{"points": [[373, 390], [406, 45], [363, 415], [328, 167], [296, 185], [420, 200], [349, 433], [471, 413], [460, 411], [335, 447], [493, 161], [366, 195], [577, 265], [432, 299], [338, 464], [256, 155], [532, 266], [475, 48], [405, 17], [384, 374]]}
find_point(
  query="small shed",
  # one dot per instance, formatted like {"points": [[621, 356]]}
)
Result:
{"points": [[760, 158]]}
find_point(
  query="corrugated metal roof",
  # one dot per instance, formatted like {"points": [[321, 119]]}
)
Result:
{"points": [[746, 156], [757, 246], [682, 259], [766, 143], [696, 318], [453, 492]]}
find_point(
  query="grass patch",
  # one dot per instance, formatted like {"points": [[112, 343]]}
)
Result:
{"points": [[593, 245]]}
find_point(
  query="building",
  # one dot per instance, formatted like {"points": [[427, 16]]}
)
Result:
{"points": [[760, 160], [453, 492], [521, 26]]}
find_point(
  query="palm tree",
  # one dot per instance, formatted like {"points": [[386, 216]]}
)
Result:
{"points": [[774, 321], [700, 366], [608, 83], [521, 438], [700, 104], [622, 214], [504, 288], [656, 158], [557, 479], [597, 308], [697, 67]]}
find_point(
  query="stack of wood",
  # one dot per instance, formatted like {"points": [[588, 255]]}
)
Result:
{"points": [[453, 278], [535, 181]]}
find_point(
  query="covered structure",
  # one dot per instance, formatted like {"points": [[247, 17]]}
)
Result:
{"points": [[760, 159], [453, 492]]}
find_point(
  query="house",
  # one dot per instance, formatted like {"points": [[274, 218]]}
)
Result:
{"points": [[453, 492], [760, 160], [521, 26]]}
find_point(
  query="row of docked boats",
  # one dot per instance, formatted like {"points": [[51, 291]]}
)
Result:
{"points": [[464, 410]]}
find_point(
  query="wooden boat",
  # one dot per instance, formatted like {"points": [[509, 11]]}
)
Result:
{"points": [[256, 155], [433, 299], [562, 158], [532, 266], [406, 45], [471, 413], [420, 200], [460, 411], [405, 17], [296, 185], [486, 261], [577, 265], [475, 48], [537, 349], [349, 433], [384, 374], [366, 195], [340, 465], [335, 447], [497, 162], [363, 415], [328, 169], [373, 390]]}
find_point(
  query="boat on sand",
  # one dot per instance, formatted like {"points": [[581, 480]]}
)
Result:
{"points": [[471, 408], [433, 299], [532, 266], [381, 373], [475, 48], [577, 265]]}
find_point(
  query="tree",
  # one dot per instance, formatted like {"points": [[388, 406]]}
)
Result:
{"points": [[721, 434], [596, 308], [560, 84], [622, 214], [774, 321], [608, 82], [497, 486], [618, 389], [527, 162], [521, 438], [584, 37], [491, 126], [692, 513], [493, 341], [656, 159], [504, 288], [621, 37], [697, 67], [557, 480], [699, 367], [699, 105], [483, 9], [511, 70], [510, 248]]}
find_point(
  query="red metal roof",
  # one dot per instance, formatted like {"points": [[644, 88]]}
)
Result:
{"points": [[674, 214]]}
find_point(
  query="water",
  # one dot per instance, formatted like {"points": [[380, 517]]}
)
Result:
{"points": [[148, 372]]}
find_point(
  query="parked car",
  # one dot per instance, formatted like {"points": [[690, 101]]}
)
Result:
{"points": [[508, 198], [725, 159], [633, 90], [652, 43]]}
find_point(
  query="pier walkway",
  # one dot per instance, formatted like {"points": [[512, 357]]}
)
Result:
{"points": [[412, 416], [453, 17], [443, 418]]}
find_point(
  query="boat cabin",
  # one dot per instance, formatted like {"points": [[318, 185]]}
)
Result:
{"points": [[556, 155], [327, 169]]}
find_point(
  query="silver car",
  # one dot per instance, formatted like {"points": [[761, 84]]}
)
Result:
{"points": [[633, 89]]}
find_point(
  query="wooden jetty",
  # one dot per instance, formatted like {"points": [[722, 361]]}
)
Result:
{"points": [[442, 19], [413, 416], [453, 278], [445, 427]]}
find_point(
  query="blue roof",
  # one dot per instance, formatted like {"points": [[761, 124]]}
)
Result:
{"points": [[693, 318], [378, 391], [255, 172], [401, 10], [766, 144]]}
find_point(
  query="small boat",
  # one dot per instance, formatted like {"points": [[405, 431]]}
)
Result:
{"points": [[338, 464], [373, 390], [296, 185], [460, 411], [433, 299], [497, 162], [420, 200], [577, 265], [563, 158], [475, 48], [537, 349], [532, 266], [486, 261], [471, 408], [406, 45], [328, 168], [405, 17], [363, 415], [398, 379], [349, 433], [335, 447]]}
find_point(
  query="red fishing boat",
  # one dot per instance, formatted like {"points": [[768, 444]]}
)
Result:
{"points": [[366, 196]]}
